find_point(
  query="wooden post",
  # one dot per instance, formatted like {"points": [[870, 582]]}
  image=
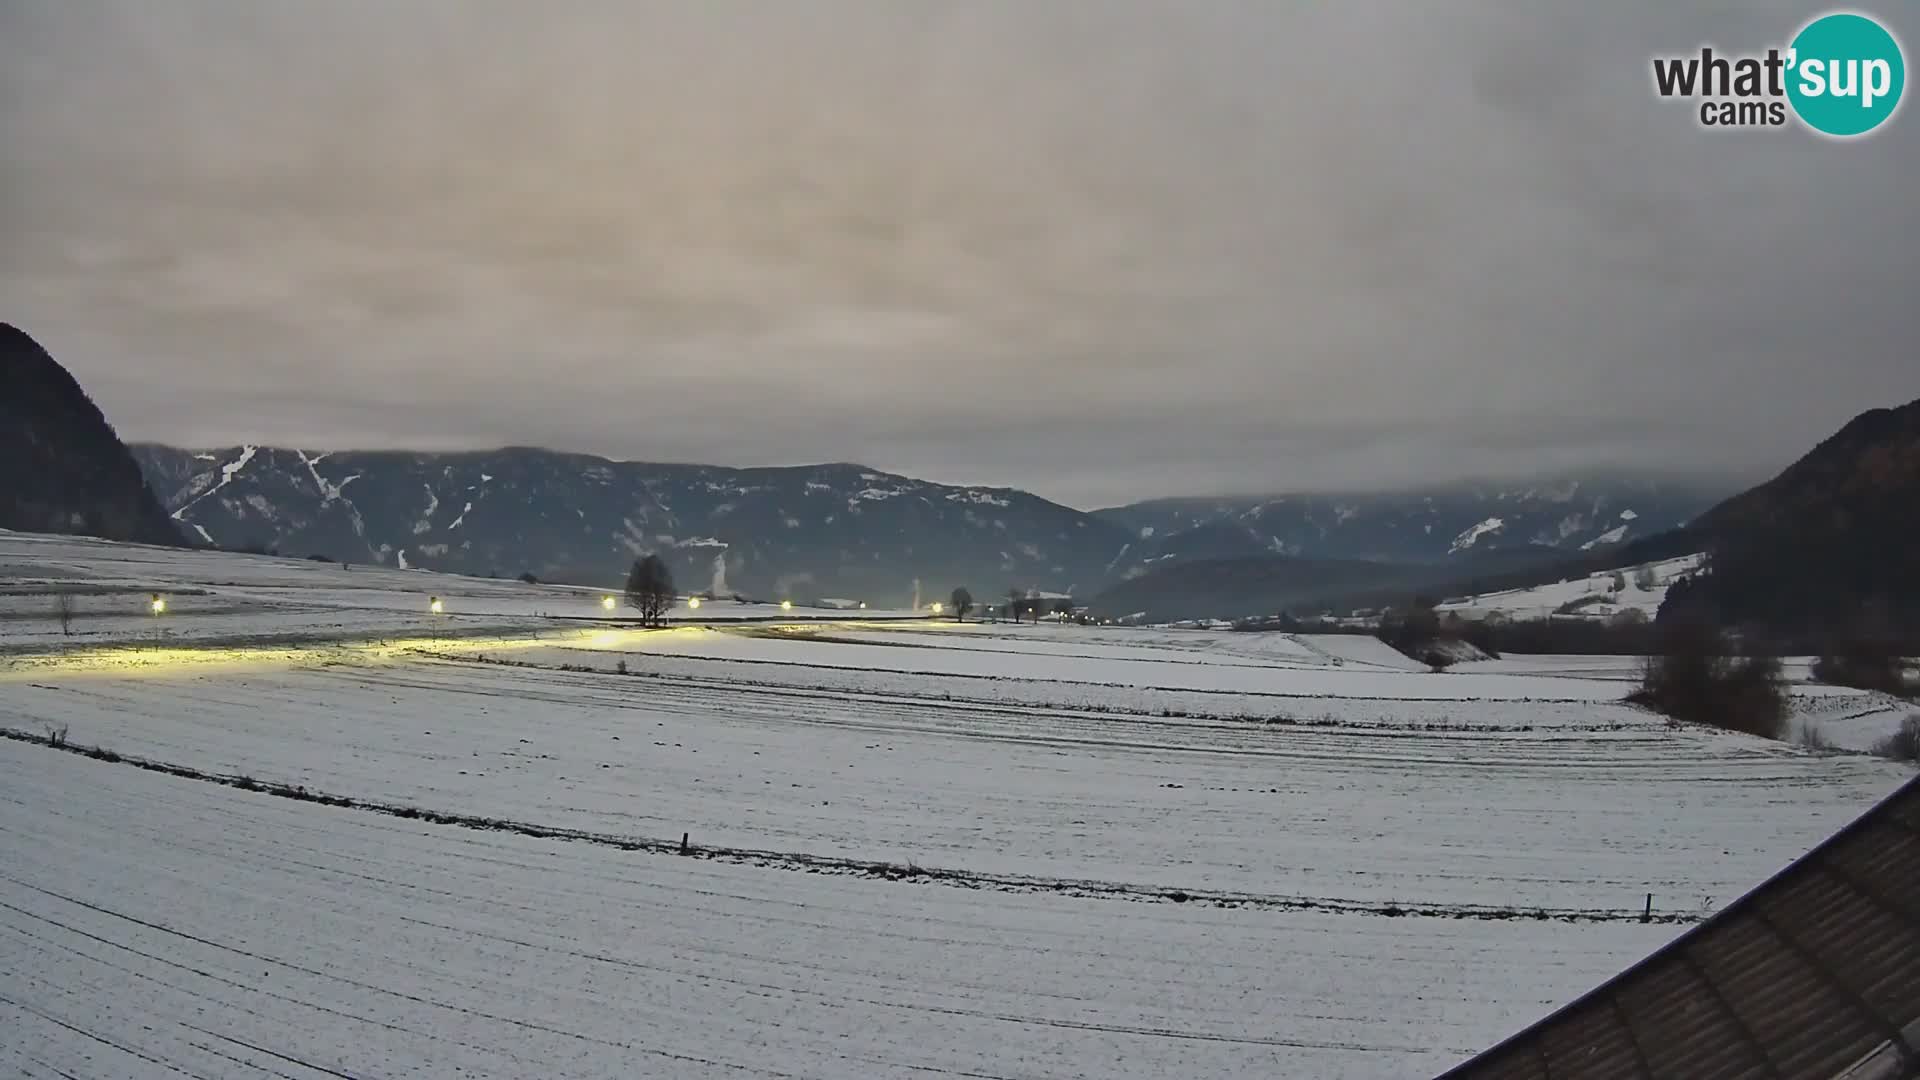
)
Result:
{"points": [[1647, 915], [683, 844]]}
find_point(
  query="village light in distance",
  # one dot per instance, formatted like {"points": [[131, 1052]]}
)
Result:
{"points": [[693, 603], [607, 602], [157, 605], [435, 606], [786, 605], [936, 607]]}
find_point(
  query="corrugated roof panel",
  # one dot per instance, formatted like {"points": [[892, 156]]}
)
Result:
{"points": [[1803, 977]]}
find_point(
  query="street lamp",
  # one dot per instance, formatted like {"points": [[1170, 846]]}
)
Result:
{"points": [[786, 605], [693, 603], [607, 602], [435, 606], [157, 605], [936, 607], [863, 605]]}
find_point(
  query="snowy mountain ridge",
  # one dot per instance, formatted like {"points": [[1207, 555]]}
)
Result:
{"points": [[805, 530], [1440, 525], [837, 530]]}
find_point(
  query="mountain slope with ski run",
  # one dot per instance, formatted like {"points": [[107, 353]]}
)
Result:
{"points": [[321, 823]]}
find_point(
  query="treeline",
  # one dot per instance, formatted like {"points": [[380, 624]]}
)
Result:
{"points": [[1404, 630], [1806, 598]]}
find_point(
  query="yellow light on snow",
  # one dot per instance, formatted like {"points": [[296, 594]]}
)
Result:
{"points": [[786, 605], [157, 605], [693, 602], [434, 605], [607, 602]]}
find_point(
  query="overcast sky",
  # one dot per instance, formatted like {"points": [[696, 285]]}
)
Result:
{"points": [[1102, 250]]}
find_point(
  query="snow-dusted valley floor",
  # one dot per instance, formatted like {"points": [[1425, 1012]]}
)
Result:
{"points": [[332, 838]]}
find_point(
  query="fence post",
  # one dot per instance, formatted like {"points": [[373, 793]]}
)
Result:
{"points": [[1647, 915], [683, 843]]}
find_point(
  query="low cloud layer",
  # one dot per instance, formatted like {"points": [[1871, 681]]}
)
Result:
{"points": [[1101, 250]]}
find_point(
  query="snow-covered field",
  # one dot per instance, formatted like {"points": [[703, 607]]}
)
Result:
{"points": [[221, 597], [150, 926], [368, 845]]}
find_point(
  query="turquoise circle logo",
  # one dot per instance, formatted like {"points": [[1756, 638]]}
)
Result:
{"points": [[1846, 74]]}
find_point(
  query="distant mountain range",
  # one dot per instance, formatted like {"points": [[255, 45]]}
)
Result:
{"points": [[1430, 526], [1827, 551], [823, 531], [62, 468], [1828, 543], [1237, 588], [827, 530]]}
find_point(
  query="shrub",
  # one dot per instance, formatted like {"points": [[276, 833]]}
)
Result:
{"points": [[1410, 630], [1645, 580], [1866, 666], [1579, 602], [527, 576], [1902, 745], [1693, 678], [63, 610], [56, 735], [1810, 737], [1481, 635]]}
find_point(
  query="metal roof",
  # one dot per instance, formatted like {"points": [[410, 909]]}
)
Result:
{"points": [[1815, 973]]}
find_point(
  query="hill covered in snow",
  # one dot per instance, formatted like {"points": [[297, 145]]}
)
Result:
{"points": [[1599, 594]]}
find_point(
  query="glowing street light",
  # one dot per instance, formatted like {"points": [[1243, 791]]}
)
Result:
{"points": [[863, 605], [936, 607], [607, 602], [786, 605], [693, 603], [157, 605], [435, 606]]}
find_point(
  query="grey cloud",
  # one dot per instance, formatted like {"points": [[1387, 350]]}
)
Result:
{"points": [[1102, 250]]}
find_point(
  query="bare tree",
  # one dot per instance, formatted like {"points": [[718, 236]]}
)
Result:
{"points": [[63, 610], [1645, 580], [650, 589], [962, 603]]}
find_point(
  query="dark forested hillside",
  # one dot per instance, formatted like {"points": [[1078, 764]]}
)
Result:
{"points": [[62, 468], [1829, 545]]}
